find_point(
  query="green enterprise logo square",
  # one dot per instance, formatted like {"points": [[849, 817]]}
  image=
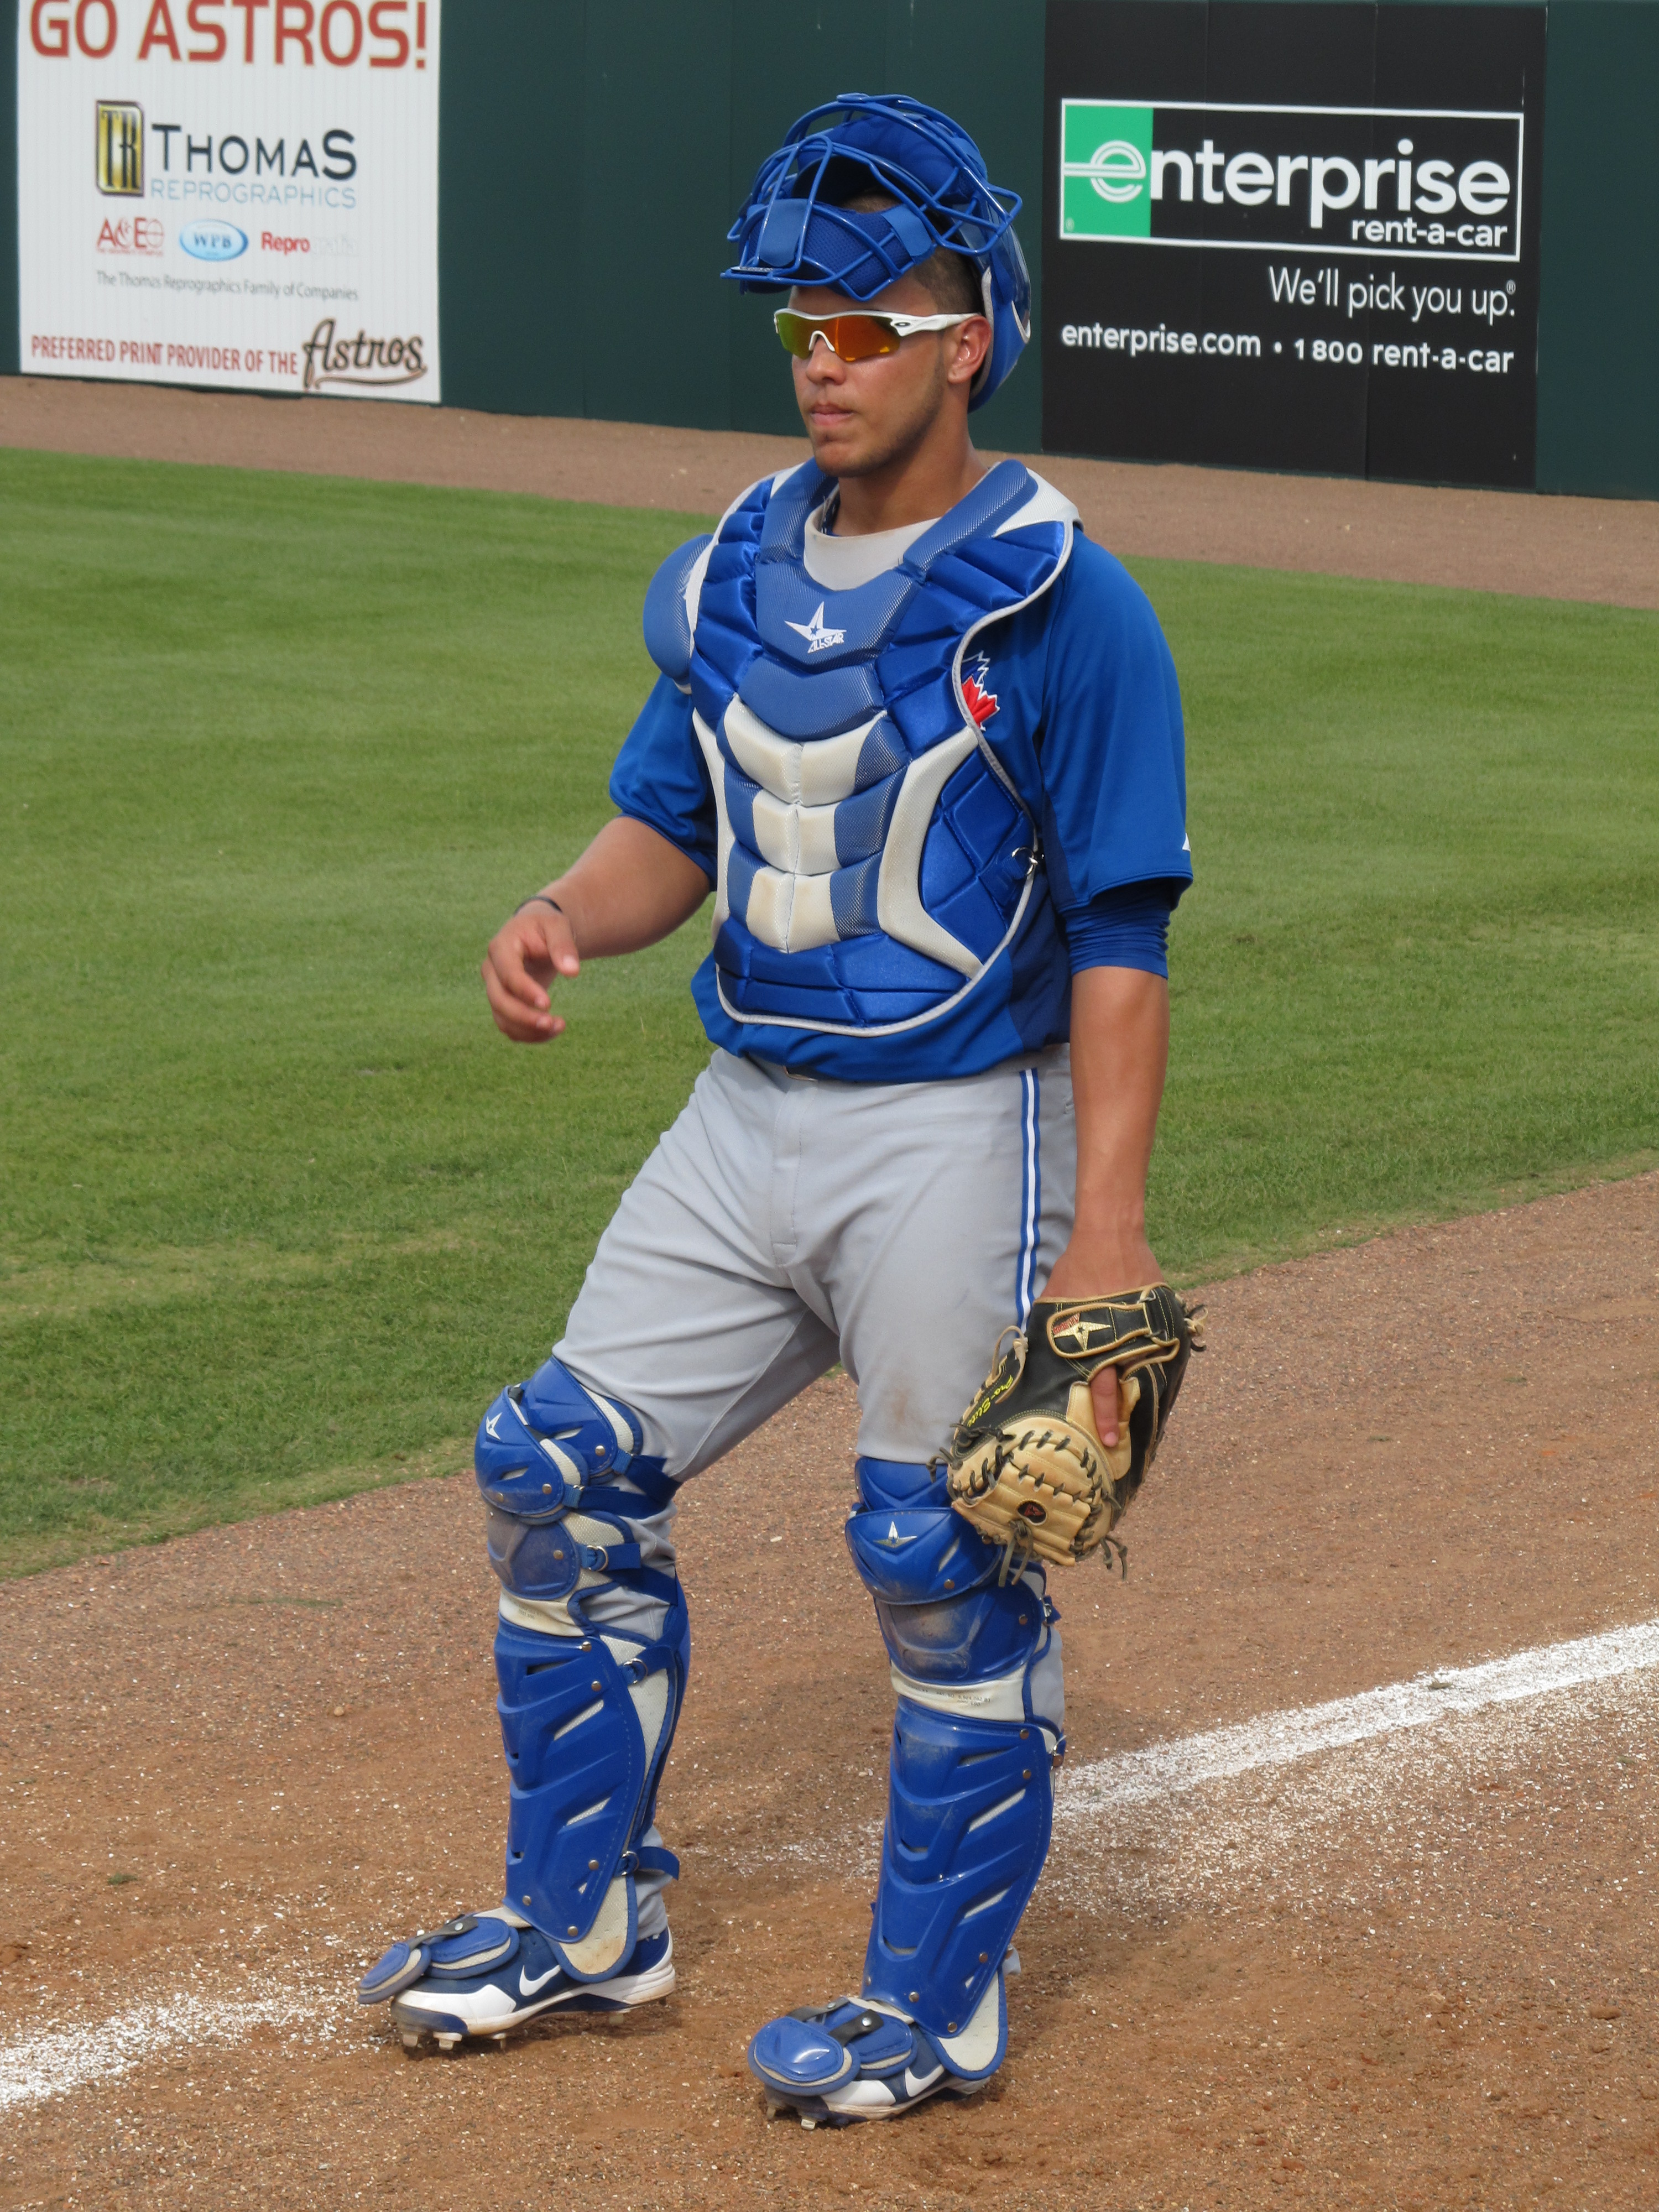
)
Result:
{"points": [[1105, 167]]}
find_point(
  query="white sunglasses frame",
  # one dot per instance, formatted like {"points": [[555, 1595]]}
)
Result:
{"points": [[902, 326]]}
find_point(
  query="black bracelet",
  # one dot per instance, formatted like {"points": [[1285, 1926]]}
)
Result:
{"points": [[538, 898]]}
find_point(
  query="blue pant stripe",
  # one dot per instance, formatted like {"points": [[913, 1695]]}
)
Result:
{"points": [[1031, 1192]]}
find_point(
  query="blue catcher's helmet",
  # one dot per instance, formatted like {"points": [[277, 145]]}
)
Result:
{"points": [[789, 232]]}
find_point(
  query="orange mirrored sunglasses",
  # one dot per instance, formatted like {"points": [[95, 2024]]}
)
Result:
{"points": [[854, 337]]}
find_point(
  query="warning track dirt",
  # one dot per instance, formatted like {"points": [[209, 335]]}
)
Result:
{"points": [[1495, 541]]}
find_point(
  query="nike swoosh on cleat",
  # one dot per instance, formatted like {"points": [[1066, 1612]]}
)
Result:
{"points": [[527, 1988]]}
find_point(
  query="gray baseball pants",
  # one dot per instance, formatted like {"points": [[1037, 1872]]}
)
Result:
{"points": [[786, 1222]]}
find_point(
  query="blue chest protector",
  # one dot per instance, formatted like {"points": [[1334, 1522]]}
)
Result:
{"points": [[874, 859]]}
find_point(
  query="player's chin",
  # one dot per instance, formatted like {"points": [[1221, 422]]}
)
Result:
{"points": [[840, 443]]}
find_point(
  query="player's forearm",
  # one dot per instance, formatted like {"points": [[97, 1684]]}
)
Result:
{"points": [[1119, 1052], [631, 888]]}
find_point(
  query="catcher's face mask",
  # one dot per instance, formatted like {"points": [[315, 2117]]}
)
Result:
{"points": [[793, 228]]}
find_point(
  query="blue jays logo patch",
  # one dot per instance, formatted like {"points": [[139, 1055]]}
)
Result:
{"points": [[976, 687]]}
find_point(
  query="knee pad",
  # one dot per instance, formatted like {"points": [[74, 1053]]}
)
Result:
{"points": [[573, 1508], [544, 1441], [959, 1637], [592, 1656]]}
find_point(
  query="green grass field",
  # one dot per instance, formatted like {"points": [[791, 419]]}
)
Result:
{"points": [[282, 1210]]}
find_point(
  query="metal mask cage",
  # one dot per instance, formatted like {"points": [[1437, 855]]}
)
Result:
{"points": [[790, 230]]}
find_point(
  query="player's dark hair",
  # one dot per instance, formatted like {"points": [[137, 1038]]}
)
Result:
{"points": [[949, 280]]}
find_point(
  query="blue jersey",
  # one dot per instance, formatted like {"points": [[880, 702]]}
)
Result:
{"points": [[902, 791]]}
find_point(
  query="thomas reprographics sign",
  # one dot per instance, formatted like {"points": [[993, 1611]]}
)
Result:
{"points": [[237, 195]]}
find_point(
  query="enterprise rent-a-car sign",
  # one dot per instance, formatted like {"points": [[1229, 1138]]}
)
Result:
{"points": [[235, 194], [1294, 236]]}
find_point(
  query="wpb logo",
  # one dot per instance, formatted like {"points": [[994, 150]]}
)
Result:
{"points": [[213, 242], [1440, 183]]}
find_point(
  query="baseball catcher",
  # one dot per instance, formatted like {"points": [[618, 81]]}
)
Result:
{"points": [[920, 743]]}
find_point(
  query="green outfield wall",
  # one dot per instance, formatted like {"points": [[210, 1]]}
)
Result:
{"points": [[593, 151], [1598, 337]]}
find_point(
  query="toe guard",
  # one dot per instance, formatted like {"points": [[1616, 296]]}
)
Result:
{"points": [[469, 1944], [817, 2048], [849, 2061]]}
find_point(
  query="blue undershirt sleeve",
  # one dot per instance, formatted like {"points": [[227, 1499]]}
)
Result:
{"points": [[1128, 927], [661, 778]]}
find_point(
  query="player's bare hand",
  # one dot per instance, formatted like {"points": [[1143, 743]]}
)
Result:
{"points": [[1096, 1263], [524, 955]]}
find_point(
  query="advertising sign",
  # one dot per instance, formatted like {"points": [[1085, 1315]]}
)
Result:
{"points": [[1291, 236], [231, 192]]}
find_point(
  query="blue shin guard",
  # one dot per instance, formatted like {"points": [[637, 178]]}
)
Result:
{"points": [[587, 1723], [591, 1653], [977, 1665]]}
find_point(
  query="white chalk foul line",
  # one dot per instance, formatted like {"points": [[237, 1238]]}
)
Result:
{"points": [[1162, 1770], [58, 2061], [34, 2067]]}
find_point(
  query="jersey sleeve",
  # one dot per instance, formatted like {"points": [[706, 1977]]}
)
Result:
{"points": [[1112, 752], [661, 778]]}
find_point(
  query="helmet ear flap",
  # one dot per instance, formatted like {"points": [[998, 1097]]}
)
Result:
{"points": [[987, 295], [1006, 283], [1019, 283]]}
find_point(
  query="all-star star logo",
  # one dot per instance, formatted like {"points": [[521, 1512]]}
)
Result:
{"points": [[815, 633], [975, 675]]}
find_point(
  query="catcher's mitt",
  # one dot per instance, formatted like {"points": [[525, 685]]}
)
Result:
{"points": [[1026, 1463]]}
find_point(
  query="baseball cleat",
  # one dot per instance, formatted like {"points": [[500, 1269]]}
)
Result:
{"points": [[833, 2065], [481, 1975]]}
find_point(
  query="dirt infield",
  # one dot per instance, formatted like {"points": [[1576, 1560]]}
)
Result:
{"points": [[1409, 1970], [1569, 549]]}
